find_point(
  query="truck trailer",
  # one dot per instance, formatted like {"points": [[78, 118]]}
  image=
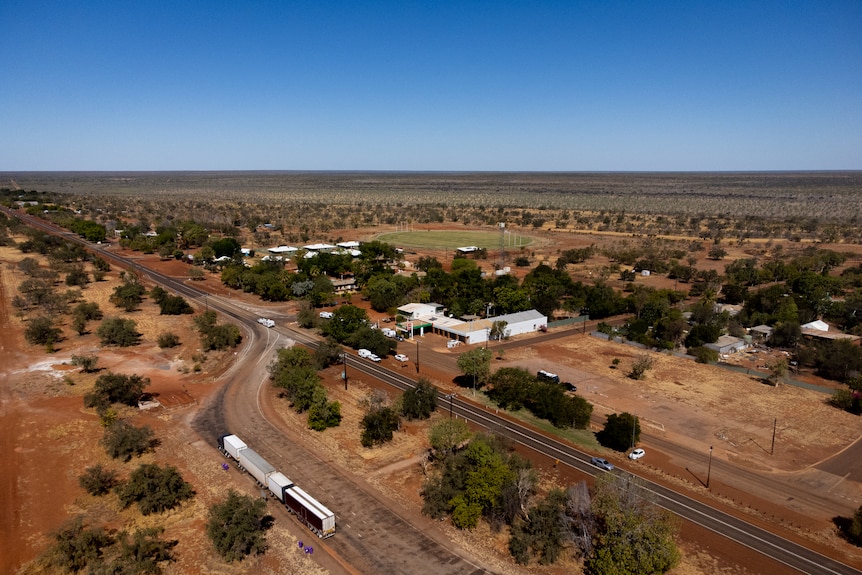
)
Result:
{"points": [[231, 445], [257, 466], [313, 513]]}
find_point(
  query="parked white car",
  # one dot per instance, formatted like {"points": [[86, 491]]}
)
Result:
{"points": [[326, 314], [637, 453], [401, 357], [374, 357]]}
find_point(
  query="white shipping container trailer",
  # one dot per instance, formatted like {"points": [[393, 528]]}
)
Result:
{"points": [[257, 466], [278, 483], [232, 445]]}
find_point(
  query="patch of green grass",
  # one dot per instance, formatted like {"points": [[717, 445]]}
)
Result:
{"points": [[444, 239]]}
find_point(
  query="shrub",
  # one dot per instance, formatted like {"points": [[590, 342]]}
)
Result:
{"points": [[378, 426], [703, 354], [236, 526], [154, 489], [128, 296], [116, 388], [119, 332], [41, 331], [76, 547], [98, 480], [175, 305], [168, 340], [87, 363], [640, 367], [122, 440]]}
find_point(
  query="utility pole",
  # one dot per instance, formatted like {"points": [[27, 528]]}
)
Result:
{"points": [[344, 371], [474, 374], [417, 355], [774, 424], [709, 467]]}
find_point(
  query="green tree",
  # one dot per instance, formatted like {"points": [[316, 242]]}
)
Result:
{"points": [[703, 354], [476, 365], [328, 353], [510, 387], [420, 401], [129, 295], [158, 294], [154, 489], [636, 536], [840, 360], [77, 277], [226, 247], [116, 388], [222, 336], [237, 526], [294, 371], [175, 305], [98, 480], [621, 432], [716, 252], [345, 320], [142, 552], [41, 331], [77, 547], [120, 332], [87, 363], [540, 534], [447, 435], [483, 486], [323, 413], [122, 440], [378, 426], [777, 372], [383, 293], [84, 312], [848, 400], [786, 334]]}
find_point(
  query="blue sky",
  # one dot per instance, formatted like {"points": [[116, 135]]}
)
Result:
{"points": [[374, 85]]}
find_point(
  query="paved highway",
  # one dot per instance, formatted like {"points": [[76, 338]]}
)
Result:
{"points": [[256, 426]]}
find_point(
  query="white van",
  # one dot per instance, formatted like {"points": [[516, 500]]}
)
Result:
{"points": [[365, 353]]}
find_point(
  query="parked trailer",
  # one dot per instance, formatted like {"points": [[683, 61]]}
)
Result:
{"points": [[318, 518], [231, 445], [257, 466], [278, 484], [314, 514]]}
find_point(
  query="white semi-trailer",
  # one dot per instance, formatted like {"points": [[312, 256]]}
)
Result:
{"points": [[278, 483], [231, 445], [257, 466]]}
